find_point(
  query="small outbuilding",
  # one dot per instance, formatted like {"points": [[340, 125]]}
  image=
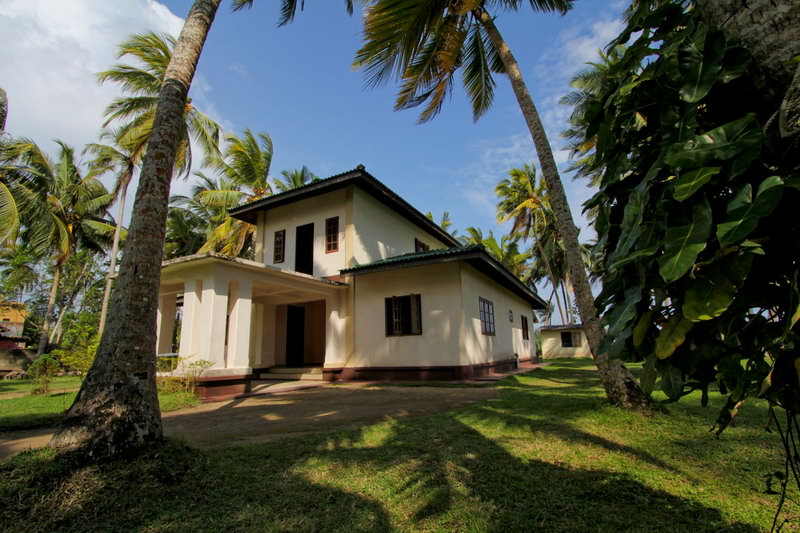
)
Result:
{"points": [[567, 340]]}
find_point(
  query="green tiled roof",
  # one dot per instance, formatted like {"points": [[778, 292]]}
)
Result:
{"points": [[440, 252], [475, 254]]}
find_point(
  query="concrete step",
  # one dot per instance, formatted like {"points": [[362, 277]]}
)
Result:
{"points": [[286, 376], [296, 370]]}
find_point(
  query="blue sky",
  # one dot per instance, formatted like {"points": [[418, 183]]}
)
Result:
{"points": [[297, 84]]}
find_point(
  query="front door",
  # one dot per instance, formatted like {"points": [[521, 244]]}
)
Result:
{"points": [[304, 249], [295, 335]]}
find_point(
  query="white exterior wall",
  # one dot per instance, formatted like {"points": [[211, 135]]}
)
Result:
{"points": [[379, 232], [507, 340], [552, 349], [440, 300], [313, 210]]}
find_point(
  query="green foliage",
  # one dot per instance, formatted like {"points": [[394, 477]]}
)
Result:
{"points": [[42, 372], [696, 215], [80, 344]]}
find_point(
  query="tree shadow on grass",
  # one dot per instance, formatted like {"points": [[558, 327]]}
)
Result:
{"points": [[431, 473]]}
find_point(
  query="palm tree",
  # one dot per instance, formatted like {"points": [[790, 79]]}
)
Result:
{"points": [[69, 213], [116, 409], [293, 179], [526, 202], [17, 271], [423, 44], [586, 84], [445, 223], [123, 159], [506, 251], [243, 177], [142, 84], [186, 233]]}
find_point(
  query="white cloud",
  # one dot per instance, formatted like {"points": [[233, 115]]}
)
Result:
{"points": [[57, 47], [240, 69]]}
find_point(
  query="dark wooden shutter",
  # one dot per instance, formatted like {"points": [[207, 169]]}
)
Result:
{"points": [[416, 315], [389, 317]]}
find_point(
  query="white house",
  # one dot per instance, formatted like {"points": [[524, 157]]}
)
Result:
{"points": [[568, 340], [350, 279]]}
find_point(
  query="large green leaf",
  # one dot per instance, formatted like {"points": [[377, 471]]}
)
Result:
{"points": [[683, 243], [744, 212], [9, 215], [721, 143], [688, 183], [699, 64], [622, 314], [707, 299], [672, 382], [649, 374], [672, 335], [644, 323], [631, 226]]}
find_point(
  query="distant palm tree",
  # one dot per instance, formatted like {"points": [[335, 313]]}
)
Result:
{"points": [[445, 223], [527, 203], [243, 171], [17, 271], [293, 179], [186, 233], [69, 211], [135, 112], [506, 251]]}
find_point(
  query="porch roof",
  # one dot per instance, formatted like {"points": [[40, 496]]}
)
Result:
{"points": [[474, 254], [174, 265]]}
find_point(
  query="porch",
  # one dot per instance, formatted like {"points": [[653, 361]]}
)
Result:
{"points": [[244, 318]]}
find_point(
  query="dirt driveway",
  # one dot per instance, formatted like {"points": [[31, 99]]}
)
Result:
{"points": [[287, 414]]}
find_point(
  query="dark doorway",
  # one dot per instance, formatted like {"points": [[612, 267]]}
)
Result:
{"points": [[304, 251], [295, 335]]}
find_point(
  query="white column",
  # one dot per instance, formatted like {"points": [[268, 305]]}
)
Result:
{"points": [[213, 320], [239, 331], [334, 330], [166, 323], [192, 294]]}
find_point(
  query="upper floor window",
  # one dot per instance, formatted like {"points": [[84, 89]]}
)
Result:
{"points": [[279, 249], [511, 316], [486, 311], [525, 332], [420, 246], [566, 339], [403, 315], [332, 235]]}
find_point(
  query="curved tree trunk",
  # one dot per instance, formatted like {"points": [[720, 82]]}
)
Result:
{"points": [[51, 305], [552, 277], [112, 268], [769, 29], [116, 410], [621, 387]]}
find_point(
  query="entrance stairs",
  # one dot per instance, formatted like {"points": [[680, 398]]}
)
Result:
{"points": [[306, 373]]}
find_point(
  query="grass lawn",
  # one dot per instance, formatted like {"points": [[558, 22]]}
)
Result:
{"points": [[24, 385], [27, 412], [547, 454]]}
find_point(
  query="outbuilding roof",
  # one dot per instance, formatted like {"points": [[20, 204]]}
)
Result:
{"points": [[561, 327], [358, 176], [474, 254]]}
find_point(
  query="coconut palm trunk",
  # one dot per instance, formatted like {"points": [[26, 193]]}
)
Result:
{"points": [[620, 386], [112, 268], [51, 306], [553, 281], [116, 409]]}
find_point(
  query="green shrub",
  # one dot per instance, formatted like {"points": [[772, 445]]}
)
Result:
{"points": [[42, 372]]}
